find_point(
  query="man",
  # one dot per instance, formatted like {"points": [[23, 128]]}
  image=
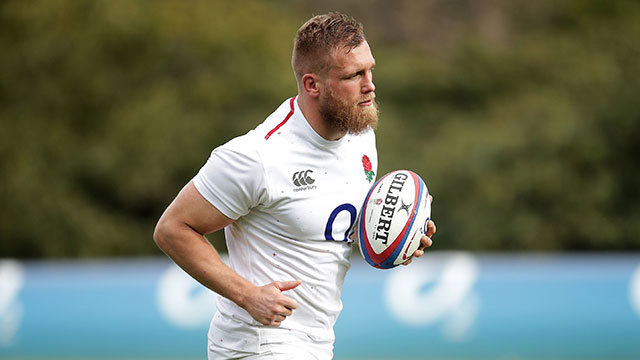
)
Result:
{"points": [[286, 194]]}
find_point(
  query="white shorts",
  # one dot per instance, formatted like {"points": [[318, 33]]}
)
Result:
{"points": [[275, 351], [233, 339]]}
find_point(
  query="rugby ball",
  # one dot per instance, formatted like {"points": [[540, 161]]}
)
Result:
{"points": [[393, 218]]}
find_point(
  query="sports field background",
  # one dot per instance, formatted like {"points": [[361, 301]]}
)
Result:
{"points": [[521, 116], [447, 305]]}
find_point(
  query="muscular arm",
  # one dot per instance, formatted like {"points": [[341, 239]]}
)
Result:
{"points": [[180, 234]]}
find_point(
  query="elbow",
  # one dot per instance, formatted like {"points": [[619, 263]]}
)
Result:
{"points": [[160, 234], [169, 234]]}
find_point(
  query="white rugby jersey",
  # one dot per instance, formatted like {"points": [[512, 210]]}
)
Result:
{"points": [[294, 196]]}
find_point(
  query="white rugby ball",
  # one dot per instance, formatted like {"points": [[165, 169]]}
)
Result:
{"points": [[393, 218]]}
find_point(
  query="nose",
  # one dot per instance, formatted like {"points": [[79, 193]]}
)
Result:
{"points": [[367, 85]]}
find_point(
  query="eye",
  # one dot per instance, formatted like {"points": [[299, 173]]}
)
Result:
{"points": [[358, 74]]}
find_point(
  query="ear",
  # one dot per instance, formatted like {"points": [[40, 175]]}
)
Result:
{"points": [[311, 85]]}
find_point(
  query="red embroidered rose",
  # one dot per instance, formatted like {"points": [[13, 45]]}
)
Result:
{"points": [[366, 163]]}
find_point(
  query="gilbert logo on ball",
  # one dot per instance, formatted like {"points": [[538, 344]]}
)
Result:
{"points": [[393, 218]]}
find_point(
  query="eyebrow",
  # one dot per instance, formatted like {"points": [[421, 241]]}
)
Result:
{"points": [[360, 70]]}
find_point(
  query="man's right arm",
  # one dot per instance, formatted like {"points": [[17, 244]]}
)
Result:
{"points": [[180, 234]]}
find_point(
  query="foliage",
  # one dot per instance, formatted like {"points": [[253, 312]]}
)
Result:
{"points": [[521, 116], [529, 139]]}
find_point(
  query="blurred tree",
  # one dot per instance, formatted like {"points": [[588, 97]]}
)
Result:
{"points": [[108, 107], [519, 148], [521, 116]]}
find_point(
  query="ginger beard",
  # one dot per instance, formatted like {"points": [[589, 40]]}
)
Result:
{"points": [[348, 117]]}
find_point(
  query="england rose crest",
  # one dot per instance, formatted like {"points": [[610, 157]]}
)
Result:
{"points": [[368, 170]]}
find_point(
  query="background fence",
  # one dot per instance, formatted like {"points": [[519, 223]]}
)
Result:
{"points": [[444, 306]]}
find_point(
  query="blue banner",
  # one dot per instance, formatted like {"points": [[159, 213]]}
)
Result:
{"points": [[443, 306]]}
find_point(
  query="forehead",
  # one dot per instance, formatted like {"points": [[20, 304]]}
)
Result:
{"points": [[356, 59]]}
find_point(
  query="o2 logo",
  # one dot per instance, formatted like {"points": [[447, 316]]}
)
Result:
{"points": [[12, 279], [182, 301], [328, 230], [442, 288], [634, 291]]}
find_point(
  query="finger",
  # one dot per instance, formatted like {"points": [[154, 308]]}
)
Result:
{"points": [[408, 261], [268, 321], [289, 303], [287, 285], [418, 253], [277, 319], [430, 199], [431, 228], [425, 242], [285, 311]]}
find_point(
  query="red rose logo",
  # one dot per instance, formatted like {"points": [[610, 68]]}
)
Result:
{"points": [[366, 163]]}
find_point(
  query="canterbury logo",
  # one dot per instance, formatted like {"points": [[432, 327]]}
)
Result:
{"points": [[302, 178]]}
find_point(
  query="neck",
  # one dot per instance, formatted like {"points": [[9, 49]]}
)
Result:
{"points": [[310, 110]]}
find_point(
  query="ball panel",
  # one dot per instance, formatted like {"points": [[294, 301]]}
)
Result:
{"points": [[419, 223], [365, 246], [408, 248]]}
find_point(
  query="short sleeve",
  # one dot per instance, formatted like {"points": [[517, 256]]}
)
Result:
{"points": [[232, 180]]}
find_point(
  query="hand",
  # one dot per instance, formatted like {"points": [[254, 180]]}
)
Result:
{"points": [[425, 241], [268, 305]]}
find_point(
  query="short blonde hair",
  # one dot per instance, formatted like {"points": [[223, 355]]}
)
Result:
{"points": [[319, 37]]}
